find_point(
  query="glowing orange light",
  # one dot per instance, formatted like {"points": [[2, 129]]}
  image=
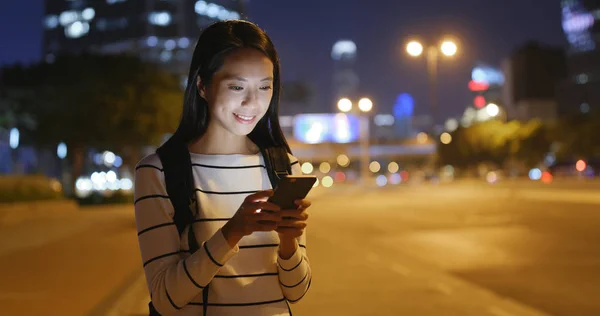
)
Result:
{"points": [[580, 165], [404, 175], [546, 177], [340, 176], [479, 101]]}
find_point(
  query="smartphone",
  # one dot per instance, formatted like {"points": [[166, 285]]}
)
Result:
{"points": [[290, 189]]}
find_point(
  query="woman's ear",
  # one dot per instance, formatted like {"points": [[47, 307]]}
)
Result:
{"points": [[201, 88]]}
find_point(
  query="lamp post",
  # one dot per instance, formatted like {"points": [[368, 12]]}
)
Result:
{"points": [[365, 105], [447, 48]]}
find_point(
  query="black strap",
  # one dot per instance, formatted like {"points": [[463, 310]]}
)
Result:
{"points": [[177, 165], [277, 162]]}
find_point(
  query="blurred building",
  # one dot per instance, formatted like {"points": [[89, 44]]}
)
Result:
{"points": [[533, 74], [156, 30], [345, 78], [580, 92]]}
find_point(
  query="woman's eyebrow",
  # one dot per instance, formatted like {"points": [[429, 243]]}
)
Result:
{"points": [[232, 77]]}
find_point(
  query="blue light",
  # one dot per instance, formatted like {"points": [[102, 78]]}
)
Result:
{"points": [[61, 150], [118, 162], [14, 138], [535, 174], [381, 180], [404, 106]]}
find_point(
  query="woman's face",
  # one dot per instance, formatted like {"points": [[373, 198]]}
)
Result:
{"points": [[239, 93]]}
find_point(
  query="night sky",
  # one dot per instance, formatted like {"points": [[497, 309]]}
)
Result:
{"points": [[304, 32]]}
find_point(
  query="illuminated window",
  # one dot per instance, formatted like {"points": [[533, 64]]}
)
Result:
{"points": [[215, 11], [159, 18], [584, 107], [51, 21], [77, 29], [582, 79], [170, 44], [68, 17]]}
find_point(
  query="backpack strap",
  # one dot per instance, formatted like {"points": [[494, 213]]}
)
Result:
{"points": [[277, 162], [179, 181]]}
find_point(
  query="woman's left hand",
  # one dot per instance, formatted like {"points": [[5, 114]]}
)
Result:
{"points": [[294, 221]]}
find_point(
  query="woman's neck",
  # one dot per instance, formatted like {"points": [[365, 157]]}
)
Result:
{"points": [[223, 144]]}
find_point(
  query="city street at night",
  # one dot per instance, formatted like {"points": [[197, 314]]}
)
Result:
{"points": [[464, 248]]}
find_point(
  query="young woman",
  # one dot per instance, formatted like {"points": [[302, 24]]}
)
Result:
{"points": [[251, 252]]}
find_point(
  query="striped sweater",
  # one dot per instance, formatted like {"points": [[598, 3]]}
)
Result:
{"points": [[249, 279]]}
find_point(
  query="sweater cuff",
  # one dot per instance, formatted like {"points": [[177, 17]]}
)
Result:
{"points": [[292, 262], [218, 248]]}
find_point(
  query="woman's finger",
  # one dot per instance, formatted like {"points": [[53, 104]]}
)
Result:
{"points": [[264, 227], [291, 223], [303, 203], [297, 214], [257, 207], [267, 217], [292, 232]]}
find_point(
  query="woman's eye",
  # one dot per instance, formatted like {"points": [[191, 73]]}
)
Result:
{"points": [[236, 88], [266, 88]]}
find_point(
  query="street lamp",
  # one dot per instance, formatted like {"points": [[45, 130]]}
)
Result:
{"points": [[492, 110], [365, 105], [448, 48], [344, 105]]}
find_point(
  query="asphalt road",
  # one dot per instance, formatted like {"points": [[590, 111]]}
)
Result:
{"points": [[412, 250], [541, 253]]}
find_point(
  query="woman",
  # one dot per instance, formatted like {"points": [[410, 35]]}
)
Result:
{"points": [[252, 253]]}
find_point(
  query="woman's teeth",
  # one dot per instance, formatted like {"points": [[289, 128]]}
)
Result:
{"points": [[245, 118]]}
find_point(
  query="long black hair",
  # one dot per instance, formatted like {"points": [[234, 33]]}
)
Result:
{"points": [[214, 44]]}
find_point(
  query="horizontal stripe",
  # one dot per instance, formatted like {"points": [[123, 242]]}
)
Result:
{"points": [[246, 275], [259, 246], [211, 166], [292, 269], [210, 256], [264, 246], [190, 276], [307, 288], [171, 301], [151, 197], [211, 220], [293, 286], [148, 166], [226, 193], [162, 256], [239, 304], [155, 227], [228, 167]]}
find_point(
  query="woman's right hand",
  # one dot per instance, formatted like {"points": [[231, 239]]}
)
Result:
{"points": [[254, 215]]}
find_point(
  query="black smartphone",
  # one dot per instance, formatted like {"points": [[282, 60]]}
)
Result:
{"points": [[290, 189]]}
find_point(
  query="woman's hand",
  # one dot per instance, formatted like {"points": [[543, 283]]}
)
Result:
{"points": [[254, 215], [293, 222]]}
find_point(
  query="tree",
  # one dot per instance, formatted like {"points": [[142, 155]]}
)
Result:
{"points": [[577, 136], [498, 143], [88, 101]]}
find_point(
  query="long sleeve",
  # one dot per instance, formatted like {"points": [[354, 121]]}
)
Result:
{"points": [[174, 277], [295, 275]]}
